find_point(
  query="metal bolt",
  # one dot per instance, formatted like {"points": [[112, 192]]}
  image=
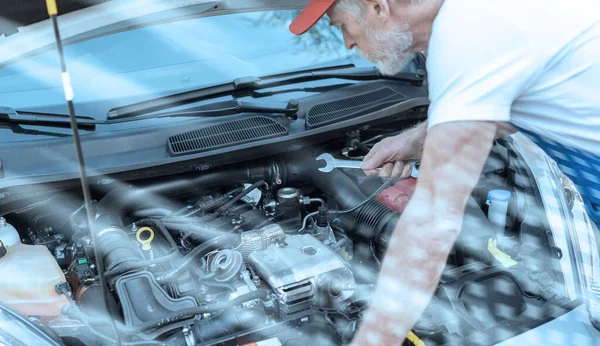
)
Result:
{"points": [[92, 266]]}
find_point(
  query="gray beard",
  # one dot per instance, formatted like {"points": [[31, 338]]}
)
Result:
{"points": [[391, 49]]}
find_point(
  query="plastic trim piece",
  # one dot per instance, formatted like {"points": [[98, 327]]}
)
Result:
{"points": [[352, 106], [228, 133]]}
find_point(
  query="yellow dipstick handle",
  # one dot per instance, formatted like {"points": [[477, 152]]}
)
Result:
{"points": [[144, 236], [51, 6], [415, 339]]}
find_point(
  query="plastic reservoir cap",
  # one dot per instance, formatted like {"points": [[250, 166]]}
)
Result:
{"points": [[8, 234], [498, 195]]}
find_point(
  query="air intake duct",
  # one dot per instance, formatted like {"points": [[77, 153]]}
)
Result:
{"points": [[373, 221]]}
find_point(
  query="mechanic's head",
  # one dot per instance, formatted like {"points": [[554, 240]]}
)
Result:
{"points": [[385, 32]]}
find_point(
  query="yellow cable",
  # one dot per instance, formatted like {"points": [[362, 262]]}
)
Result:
{"points": [[412, 337]]}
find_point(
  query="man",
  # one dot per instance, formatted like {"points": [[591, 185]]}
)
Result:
{"points": [[534, 64]]}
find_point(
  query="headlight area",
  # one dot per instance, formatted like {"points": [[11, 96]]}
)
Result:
{"points": [[571, 228]]}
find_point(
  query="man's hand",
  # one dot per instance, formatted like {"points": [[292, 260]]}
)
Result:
{"points": [[393, 152], [453, 158]]}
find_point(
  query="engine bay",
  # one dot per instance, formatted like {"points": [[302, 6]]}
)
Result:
{"points": [[270, 249]]}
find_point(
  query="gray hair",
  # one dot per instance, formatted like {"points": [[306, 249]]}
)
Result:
{"points": [[355, 7]]}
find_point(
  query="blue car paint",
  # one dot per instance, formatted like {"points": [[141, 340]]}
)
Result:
{"points": [[149, 62]]}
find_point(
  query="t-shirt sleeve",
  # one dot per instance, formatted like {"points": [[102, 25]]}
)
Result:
{"points": [[480, 60]]}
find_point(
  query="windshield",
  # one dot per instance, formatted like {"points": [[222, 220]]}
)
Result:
{"points": [[131, 66]]}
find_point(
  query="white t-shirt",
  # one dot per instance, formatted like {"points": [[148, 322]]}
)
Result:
{"points": [[534, 63]]}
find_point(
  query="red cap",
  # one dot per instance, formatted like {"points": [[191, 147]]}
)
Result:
{"points": [[310, 15]]}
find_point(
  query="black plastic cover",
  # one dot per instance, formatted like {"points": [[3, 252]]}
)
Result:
{"points": [[352, 106], [228, 133], [143, 299]]}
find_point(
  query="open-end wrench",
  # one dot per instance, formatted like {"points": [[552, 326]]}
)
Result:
{"points": [[331, 163]]}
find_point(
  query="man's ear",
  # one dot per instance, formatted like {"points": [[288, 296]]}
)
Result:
{"points": [[378, 8]]}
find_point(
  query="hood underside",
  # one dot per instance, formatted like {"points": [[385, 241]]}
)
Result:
{"points": [[23, 13], [25, 27]]}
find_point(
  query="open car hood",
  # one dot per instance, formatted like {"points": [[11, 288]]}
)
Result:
{"points": [[25, 29]]}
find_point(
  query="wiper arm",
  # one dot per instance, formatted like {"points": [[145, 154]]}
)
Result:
{"points": [[242, 87], [9, 115], [319, 89], [230, 107]]}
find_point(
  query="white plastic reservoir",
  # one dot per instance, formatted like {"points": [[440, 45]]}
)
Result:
{"points": [[498, 207], [28, 274]]}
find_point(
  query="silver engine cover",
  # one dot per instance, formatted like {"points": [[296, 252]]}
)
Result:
{"points": [[301, 270]]}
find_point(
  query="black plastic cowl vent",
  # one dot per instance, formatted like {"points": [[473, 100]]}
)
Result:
{"points": [[351, 106], [225, 134]]}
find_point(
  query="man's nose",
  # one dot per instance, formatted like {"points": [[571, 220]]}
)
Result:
{"points": [[348, 41]]}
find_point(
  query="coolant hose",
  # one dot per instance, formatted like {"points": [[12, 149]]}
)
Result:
{"points": [[223, 241]]}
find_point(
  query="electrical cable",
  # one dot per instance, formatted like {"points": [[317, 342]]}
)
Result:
{"points": [[68, 90]]}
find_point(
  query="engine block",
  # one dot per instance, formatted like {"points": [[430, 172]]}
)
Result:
{"points": [[304, 273]]}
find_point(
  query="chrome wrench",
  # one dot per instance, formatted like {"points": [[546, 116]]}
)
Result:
{"points": [[331, 163]]}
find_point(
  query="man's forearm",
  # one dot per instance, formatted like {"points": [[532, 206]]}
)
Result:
{"points": [[419, 132], [417, 135], [453, 158]]}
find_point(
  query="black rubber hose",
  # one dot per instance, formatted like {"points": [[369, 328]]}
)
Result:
{"points": [[374, 221], [152, 212], [190, 312], [141, 264], [223, 241], [155, 224], [119, 200], [201, 232], [116, 248], [239, 196], [229, 321]]}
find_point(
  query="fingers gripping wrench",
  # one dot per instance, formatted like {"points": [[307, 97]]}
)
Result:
{"points": [[331, 163]]}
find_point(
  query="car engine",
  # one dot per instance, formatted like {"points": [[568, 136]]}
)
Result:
{"points": [[268, 250]]}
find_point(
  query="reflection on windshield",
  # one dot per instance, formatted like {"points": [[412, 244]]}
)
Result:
{"points": [[150, 62], [321, 40]]}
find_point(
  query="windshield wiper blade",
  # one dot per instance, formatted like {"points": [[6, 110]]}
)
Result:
{"points": [[9, 115], [242, 87]]}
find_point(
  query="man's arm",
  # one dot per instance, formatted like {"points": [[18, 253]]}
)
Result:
{"points": [[393, 151], [454, 155]]}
